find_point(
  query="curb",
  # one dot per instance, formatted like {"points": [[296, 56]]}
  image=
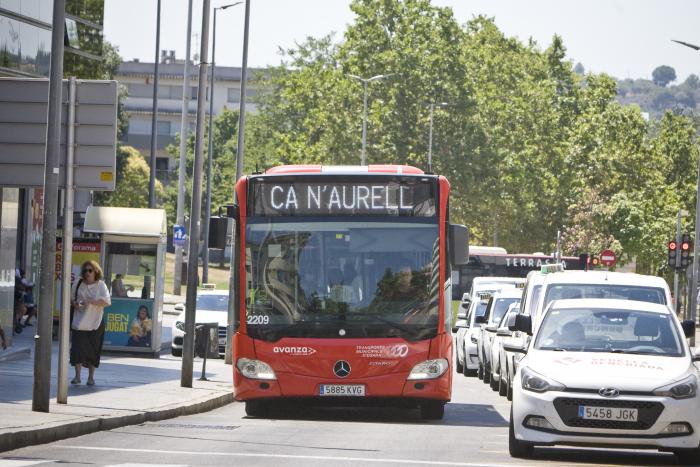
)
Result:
{"points": [[30, 437]]}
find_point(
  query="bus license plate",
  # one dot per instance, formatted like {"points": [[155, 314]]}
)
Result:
{"points": [[607, 413], [342, 390]]}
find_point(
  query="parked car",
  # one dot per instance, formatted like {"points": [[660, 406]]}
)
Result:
{"points": [[501, 369], [607, 373], [497, 308], [211, 307]]}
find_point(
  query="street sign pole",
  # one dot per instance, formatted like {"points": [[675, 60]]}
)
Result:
{"points": [[676, 270], [42, 352], [67, 255], [195, 210]]}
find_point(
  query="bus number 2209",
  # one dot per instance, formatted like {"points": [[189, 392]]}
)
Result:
{"points": [[258, 319]]}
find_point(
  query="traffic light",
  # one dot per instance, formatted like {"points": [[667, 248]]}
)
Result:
{"points": [[672, 253], [595, 261], [685, 247]]}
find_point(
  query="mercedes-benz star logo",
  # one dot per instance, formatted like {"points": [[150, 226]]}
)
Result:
{"points": [[341, 368], [608, 392]]}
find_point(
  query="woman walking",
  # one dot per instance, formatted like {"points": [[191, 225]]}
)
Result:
{"points": [[89, 298]]}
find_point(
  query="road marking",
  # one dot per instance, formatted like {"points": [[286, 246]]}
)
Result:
{"points": [[285, 456], [22, 463]]}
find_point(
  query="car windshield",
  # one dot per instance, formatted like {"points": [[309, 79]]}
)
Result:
{"points": [[478, 309], [609, 330], [622, 292], [212, 302], [500, 308], [342, 279]]}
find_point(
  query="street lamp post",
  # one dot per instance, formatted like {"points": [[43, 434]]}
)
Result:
{"points": [[365, 82], [430, 134], [154, 120], [210, 152], [693, 295]]}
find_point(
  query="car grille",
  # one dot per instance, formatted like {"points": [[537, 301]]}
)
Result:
{"points": [[649, 412], [222, 334]]}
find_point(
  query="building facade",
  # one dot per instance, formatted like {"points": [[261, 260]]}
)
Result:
{"points": [[137, 78], [25, 51]]}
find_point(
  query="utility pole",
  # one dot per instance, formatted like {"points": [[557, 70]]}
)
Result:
{"points": [[154, 120], [195, 209], [430, 135], [232, 285], [365, 82], [210, 152], [676, 270], [184, 131], [67, 247], [42, 339]]}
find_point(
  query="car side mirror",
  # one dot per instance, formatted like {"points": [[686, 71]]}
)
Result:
{"points": [[503, 332], [481, 319], [179, 307], [696, 355], [459, 244], [523, 323], [688, 326], [464, 305], [461, 316]]}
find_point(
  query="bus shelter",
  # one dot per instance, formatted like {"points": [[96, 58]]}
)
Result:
{"points": [[132, 256]]}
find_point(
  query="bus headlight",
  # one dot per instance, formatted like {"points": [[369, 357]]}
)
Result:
{"points": [[429, 369], [255, 369], [683, 389]]}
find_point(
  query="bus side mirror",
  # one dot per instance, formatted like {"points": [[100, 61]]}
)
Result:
{"points": [[218, 231], [233, 211], [688, 326], [459, 244]]}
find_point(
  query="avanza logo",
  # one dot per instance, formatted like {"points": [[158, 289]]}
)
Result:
{"points": [[295, 351]]}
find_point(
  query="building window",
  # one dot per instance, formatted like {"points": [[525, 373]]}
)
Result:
{"points": [[234, 94], [163, 128], [140, 90]]}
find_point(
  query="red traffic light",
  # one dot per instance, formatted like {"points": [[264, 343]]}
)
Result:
{"points": [[685, 246], [672, 245]]}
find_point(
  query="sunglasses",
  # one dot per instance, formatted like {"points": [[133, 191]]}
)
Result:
{"points": [[88, 270]]}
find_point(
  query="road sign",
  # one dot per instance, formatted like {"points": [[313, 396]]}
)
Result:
{"points": [[179, 236], [608, 258], [23, 113]]}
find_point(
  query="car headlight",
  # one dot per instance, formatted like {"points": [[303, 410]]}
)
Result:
{"points": [[180, 325], [474, 339], [429, 369], [683, 389], [255, 369], [533, 381]]}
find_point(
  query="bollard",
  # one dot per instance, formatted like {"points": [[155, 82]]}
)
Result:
{"points": [[206, 352]]}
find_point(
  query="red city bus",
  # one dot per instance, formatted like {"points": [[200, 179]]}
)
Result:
{"points": [[344, 287]]}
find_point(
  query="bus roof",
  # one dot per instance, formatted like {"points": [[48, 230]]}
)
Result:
{"points": [[345, 169]]}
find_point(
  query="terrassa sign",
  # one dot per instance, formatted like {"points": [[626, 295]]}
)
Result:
{"points": [[385, 197], [532, 262]]}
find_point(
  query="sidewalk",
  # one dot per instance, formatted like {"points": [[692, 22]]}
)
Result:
{"points": [[129, 390]]}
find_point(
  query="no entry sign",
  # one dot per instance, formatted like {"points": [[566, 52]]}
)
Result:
{"points": [[608, 258]]}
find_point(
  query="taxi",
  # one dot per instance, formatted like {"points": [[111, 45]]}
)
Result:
{"points": [[607, 373]]}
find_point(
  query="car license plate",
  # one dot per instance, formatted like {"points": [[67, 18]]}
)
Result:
{"points": [[607, 413], [342, 390]]}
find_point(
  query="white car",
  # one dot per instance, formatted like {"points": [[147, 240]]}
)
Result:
{"points": [[607, 373], [501, 369], [470, 364], [497, 308], [211, 307], [460, 331]]}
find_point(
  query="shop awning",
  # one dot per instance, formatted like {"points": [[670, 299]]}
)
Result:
{"points": [[127, 222]]}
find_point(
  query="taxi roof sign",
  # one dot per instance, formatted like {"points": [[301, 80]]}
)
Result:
{"points": [[550, 268]]}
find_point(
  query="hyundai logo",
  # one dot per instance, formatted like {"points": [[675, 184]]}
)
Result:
{"points": [[341, 368], [608, 392]]}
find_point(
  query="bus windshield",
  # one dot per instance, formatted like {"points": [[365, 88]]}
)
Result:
{"points": [[341, 279]]}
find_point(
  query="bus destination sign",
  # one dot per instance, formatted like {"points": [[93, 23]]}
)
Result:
{"points": [[365, 198]]}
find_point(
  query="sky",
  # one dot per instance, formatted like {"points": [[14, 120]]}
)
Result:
{"points": [[624, 38]]}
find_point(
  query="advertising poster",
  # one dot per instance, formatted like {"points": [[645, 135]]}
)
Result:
{"points": [[83, 250], [36, 232], [128, 323]]}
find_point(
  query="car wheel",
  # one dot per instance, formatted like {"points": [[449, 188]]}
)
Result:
{"points": [[502, 384], [493, 383], [517, 448], [480, 372], [176, 352], [460, 367], [256, 408], [432, 410], [487, 374], [468, 372], [509, 393]]}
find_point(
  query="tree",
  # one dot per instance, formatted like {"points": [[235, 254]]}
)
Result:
{"points": [[662, 75], [692, 81]]}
